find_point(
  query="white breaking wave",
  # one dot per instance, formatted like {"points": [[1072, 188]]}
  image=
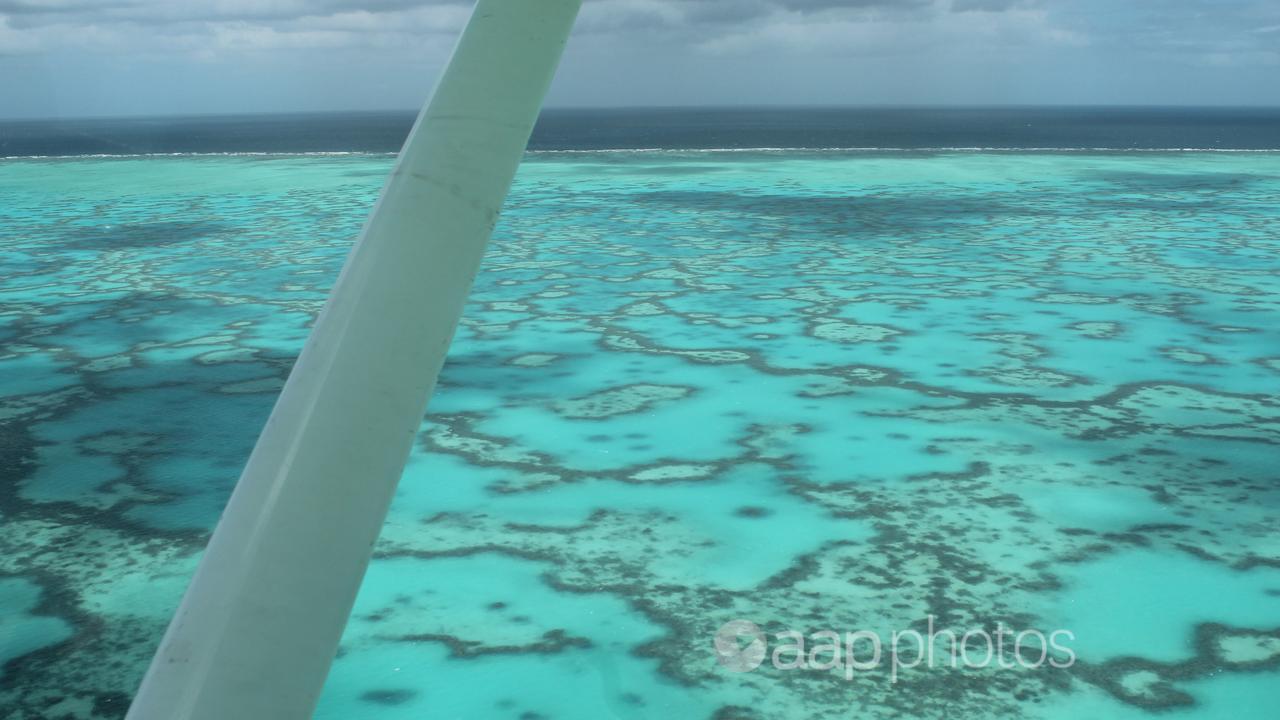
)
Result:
{"points": [[912, 150], [110, 156], [606, 151]]}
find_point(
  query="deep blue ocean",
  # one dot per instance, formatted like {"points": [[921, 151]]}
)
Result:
{"points": [[1057, 128]]}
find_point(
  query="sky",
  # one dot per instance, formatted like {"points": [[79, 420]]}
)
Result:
{"points": [[85, 58]]}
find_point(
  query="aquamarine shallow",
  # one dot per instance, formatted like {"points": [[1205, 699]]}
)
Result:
{"points": [[812, 390]]}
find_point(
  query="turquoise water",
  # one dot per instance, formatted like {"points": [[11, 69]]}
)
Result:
{"points": [[817, 391]]}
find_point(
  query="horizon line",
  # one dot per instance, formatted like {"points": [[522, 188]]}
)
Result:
{"points": [[634, 108]]}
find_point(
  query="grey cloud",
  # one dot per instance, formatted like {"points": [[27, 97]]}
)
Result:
{"points": [[697, 15], [34, 13], [145, 56], [815, 5], [1187, 27], [742, 10], [35, 7], [986, 5], [691, 13]]}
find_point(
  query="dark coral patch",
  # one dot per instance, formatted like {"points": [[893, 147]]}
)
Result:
{"points": [[389, 697]]}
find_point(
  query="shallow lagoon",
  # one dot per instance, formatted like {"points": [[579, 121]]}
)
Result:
{"points": [[813, 390]]}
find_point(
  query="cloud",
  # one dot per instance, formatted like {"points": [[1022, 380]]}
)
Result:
{"points": [[1220, 32], [687, 14], [664, 51], [987, 5], [51, 7], [207, 28], [1185, 28], [133, 26]]}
